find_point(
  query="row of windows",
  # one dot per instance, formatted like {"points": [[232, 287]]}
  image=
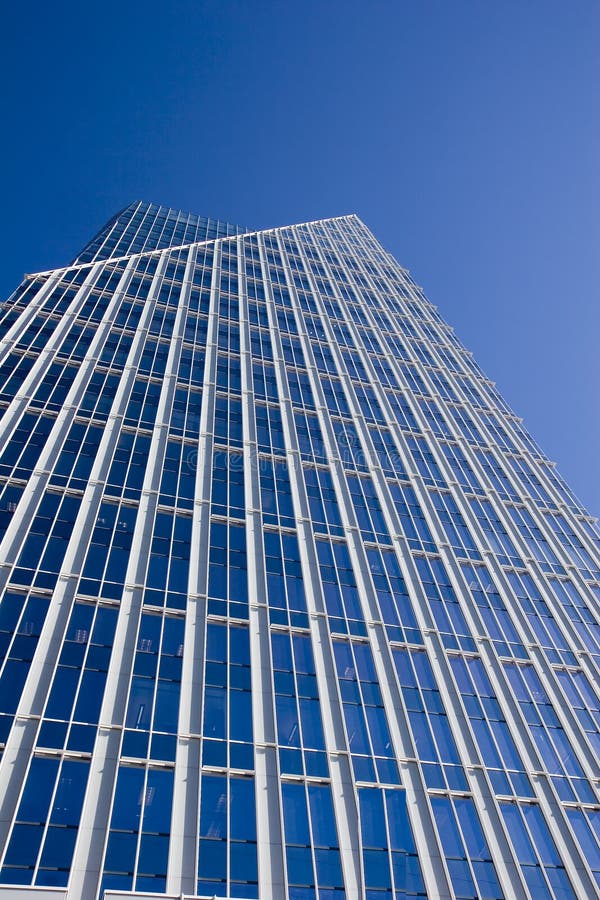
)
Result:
{"points": [[191, 366], [106, 562], [227, 677], [162, 313], [73, 468]]}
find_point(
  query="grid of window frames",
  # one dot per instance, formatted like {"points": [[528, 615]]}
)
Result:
{"points": [[428, 583]]}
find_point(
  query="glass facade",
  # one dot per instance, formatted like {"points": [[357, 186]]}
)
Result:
{"points": [[292, 606]]}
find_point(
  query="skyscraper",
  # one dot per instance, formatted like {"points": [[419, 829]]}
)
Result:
{"points": [[293, 607]]}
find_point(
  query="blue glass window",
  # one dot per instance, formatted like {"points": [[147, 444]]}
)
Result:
{"points": [[227, 866], [107, 558], [45, 546], [276, 492], [342, 600], [368, 509], [444, 603], [227, 724], [412, 519], [227, 570], [457, 531], [285, 589], [390, 859], [178, 479], [42, 840], [299, 726], [394, 602], [495, 615], [23, 450], [169, 560], [227, 496], [369, 740], [557, 753], [153, 705], [77, 688], [264, 381], [311, 846], [139, 830], [541, 865], [468, 858], [269, 429], [322, 500]]}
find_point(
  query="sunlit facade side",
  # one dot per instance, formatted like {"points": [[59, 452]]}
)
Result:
{"points": [[292, 606]]}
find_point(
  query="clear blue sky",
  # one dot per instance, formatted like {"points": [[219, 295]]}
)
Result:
{"points": [[465, 133]]}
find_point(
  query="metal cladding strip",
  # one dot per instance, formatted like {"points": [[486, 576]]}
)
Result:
{"points": [[432, 861], [17, 892]]}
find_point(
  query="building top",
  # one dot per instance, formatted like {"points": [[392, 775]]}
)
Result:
{"points": [[141, 227]]}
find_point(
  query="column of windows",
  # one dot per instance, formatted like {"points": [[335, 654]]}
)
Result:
{"points": [[150, 631], [70, 716], [312, 858], [373, 756]]}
